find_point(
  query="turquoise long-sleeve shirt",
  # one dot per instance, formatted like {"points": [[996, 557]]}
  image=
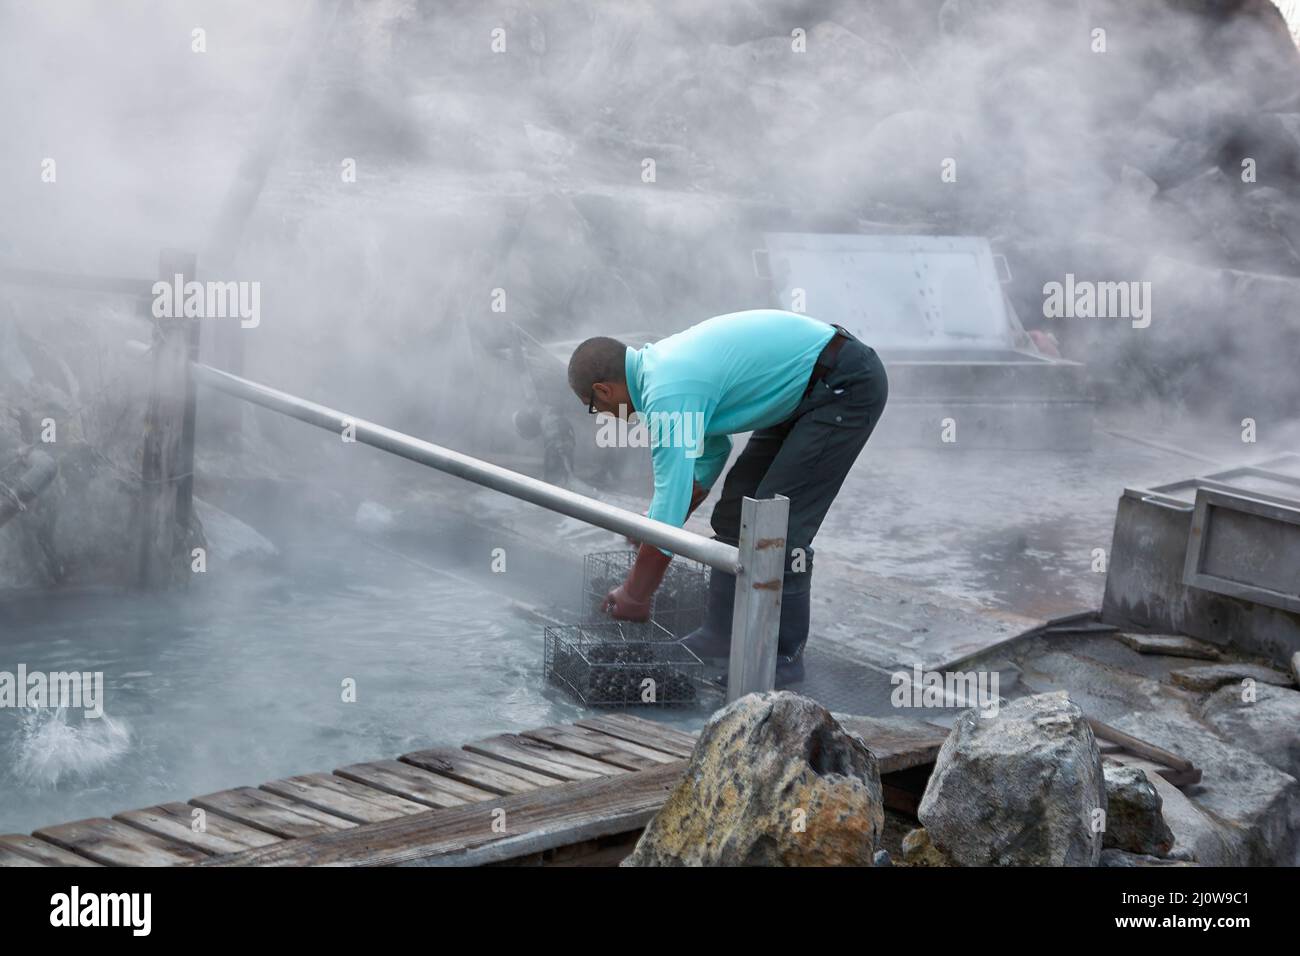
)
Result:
{"points": [[731, 373]]}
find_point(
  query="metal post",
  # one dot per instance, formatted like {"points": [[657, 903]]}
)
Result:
{"points": [[167, 462], [756, 621]]}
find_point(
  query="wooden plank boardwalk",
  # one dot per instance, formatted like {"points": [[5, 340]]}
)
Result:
{"points": [[506, 797], [576, 793]]}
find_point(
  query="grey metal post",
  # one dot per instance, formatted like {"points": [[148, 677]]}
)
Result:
{"points": [[167, 460], [756, 620]]}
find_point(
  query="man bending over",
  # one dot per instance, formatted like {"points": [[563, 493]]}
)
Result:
{"points": [[811, 394]]}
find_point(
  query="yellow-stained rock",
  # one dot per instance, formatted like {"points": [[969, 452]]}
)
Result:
{"points": [[919, 851], [774, 781]]}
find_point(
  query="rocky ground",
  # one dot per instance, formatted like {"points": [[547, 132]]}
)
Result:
{"points": [[1234, 718], [776, 780]]}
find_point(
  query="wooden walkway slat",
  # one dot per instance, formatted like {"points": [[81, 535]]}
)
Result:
{"points": [[644, 732], [536, 821], [484, 772], [175, 821], [267, 811], [592, 743], [422, 786], [897, 742], [116, 844], [43, 852], [343, 798], [535, 755], [10, 858]]}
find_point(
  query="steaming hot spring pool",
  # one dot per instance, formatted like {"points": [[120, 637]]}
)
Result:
{"points": [[239, 680]]}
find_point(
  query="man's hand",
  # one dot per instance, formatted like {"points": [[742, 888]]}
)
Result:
{"points": [[630, 601], [620, 606]]}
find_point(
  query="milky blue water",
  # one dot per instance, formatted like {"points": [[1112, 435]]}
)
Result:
{"points": [[240, 680]]}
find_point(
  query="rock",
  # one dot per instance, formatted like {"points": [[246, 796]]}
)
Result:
{"points": [[1214, 201], [1124, 858], [1295, 667], [919, 851], [229, 538], [1210, 677], [881, 859], [1267, 725], [1019, 789], [1165, 159], [1277, 210], [1245, 812], [773, 781], [1134, 821], [1170, 645], [1198, 835]]}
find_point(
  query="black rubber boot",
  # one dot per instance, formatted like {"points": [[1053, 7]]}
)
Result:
{"points": [[711, 642], [796, 597]]}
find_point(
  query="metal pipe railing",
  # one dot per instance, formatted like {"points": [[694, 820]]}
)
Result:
{"points": [[758, 562]]}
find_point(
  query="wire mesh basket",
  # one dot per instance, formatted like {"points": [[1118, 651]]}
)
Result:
{"points": [[621, 664], [679, 604]]}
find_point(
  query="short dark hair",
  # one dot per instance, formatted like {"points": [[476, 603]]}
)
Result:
{"points": [[600, 359]]}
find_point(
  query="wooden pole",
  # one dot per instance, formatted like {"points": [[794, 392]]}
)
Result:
{"points": [[167, 464]]}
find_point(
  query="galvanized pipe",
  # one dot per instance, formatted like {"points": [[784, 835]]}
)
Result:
{"points": [[716, 554]]}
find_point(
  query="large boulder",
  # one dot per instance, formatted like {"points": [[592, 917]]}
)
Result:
{"points": [[774, 781], [1019, 789], [1134, 818]]}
